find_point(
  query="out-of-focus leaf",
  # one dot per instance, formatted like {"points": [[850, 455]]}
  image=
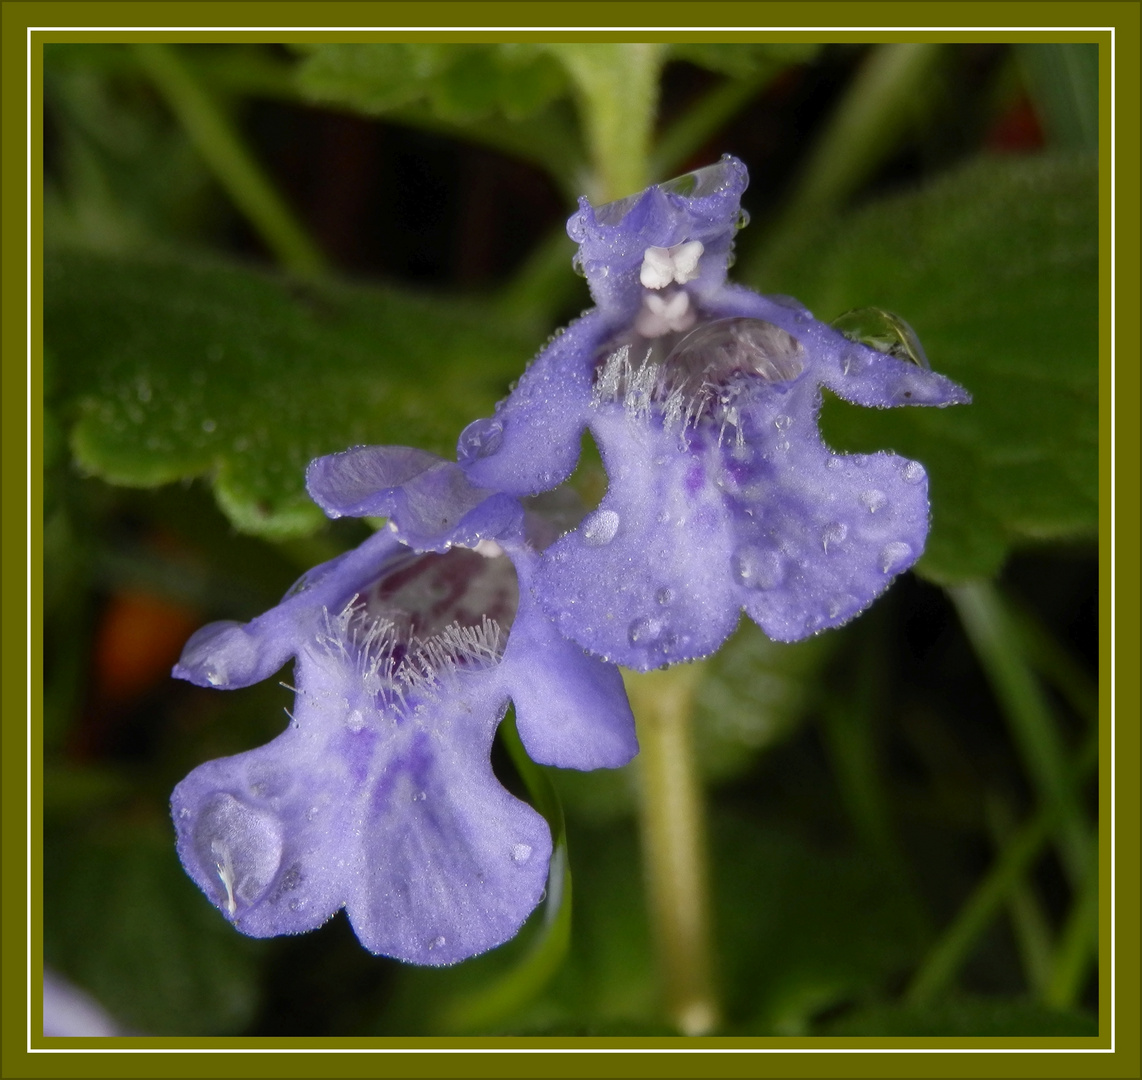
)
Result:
{"points": [[965, 1016], [996, 268], [802, 928], [178, 369], [121, 919], [1063, 80], [460, 82], [741, 60], [754, 693]]}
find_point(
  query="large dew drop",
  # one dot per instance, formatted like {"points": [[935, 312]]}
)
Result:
{"points": [[758, 568], [241, 847], [600, 527], [895, 557], [480, 439]]}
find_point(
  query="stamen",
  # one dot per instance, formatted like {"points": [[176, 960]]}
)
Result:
{"points": [[665, 266]]}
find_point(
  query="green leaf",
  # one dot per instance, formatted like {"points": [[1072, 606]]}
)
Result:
{"points": [[460, 82], [172, 369], [1063, 79], [965, 1016], [740, 61], [821, 926], [123, 921], [753, 694], [996, 268]]}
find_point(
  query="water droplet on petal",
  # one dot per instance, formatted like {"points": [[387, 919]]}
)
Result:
{"points": [[895, 557], [480, 439], [600, 527], [241, 845], [643, 631], [758, 568], [782, 422], [833, 534], [913, 472], [437, 943], [355, 720], [883, 331], [664, 596], [521, 853], [873, 500]]}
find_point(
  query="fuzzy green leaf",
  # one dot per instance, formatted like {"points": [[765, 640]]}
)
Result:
{"points": [[168, 370], [996, 268]]}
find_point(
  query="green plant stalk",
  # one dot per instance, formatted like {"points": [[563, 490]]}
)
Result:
{"points": [[233, 166], [997, 645], [1032, 930], [955, 944], [865, 127], [617, 94], [1078, 947], [672, 817]]}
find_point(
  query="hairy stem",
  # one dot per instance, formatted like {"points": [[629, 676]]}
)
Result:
{"points": [[674, 845]]}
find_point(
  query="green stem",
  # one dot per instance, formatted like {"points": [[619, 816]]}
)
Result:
{"points": [[997, 646], [1016, 859], [674, 844], [617, 93], [1078, 946], [1032, 930], [233, 166]]}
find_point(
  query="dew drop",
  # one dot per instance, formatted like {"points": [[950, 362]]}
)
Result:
{"points": [[833, 533], [782, 422], [664, 596], [600, 527], [873, 500], [240, 846], [480, 439], [355, 721], [913, 472], [895, 557], [437, 943], [420, 796], [644, 631], [758, 568], [521, 853], [208, 426]]}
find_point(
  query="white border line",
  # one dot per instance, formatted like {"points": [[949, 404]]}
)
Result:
{"points": [[397, 30]]}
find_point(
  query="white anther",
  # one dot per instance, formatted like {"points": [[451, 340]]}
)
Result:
{"points": [[664, 315], [488, 548], [664, 266]]}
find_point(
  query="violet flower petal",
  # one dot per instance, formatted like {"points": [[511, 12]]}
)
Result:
{"points": [[430, 499]]}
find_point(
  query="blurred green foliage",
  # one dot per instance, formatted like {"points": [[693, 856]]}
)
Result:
{"points": [[865, 786]]}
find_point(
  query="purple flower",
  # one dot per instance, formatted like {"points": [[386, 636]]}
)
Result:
{"points": [[379, 797], [703, 399]]}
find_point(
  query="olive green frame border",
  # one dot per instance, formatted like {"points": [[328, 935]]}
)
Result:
{"points": [[617, 1056]]}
